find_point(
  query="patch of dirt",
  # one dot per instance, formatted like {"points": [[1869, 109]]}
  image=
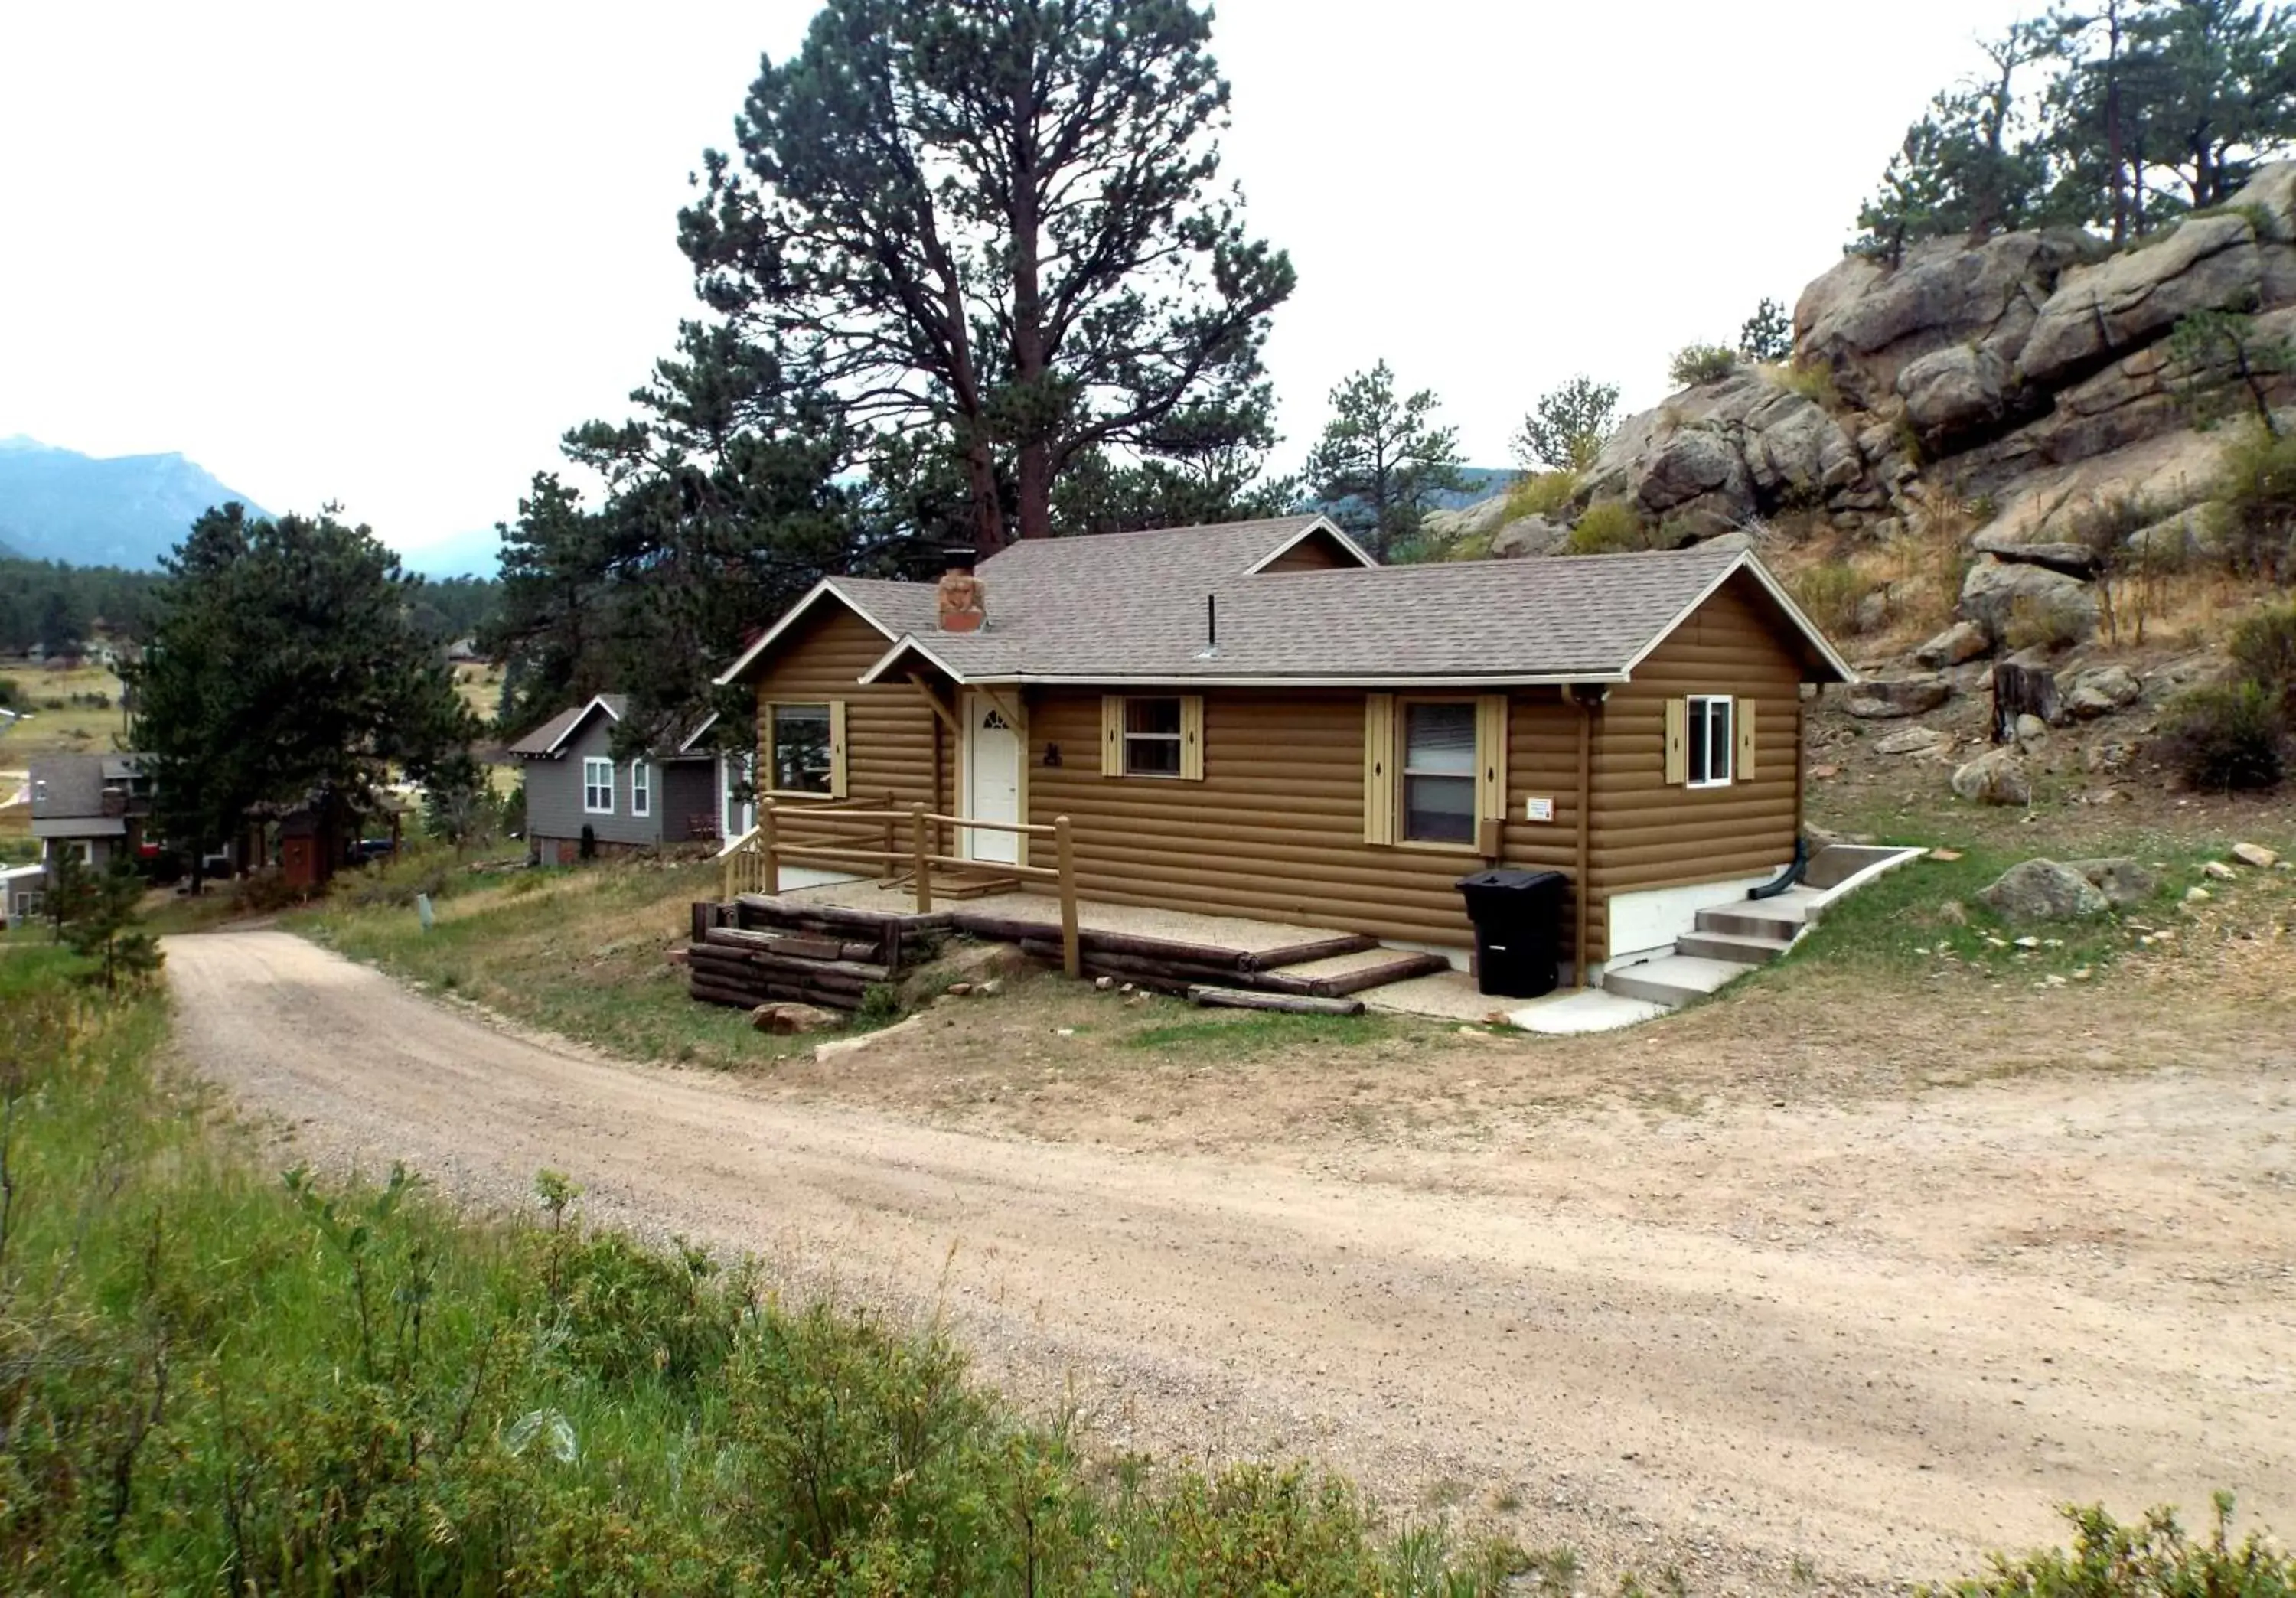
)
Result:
{"points": [[1868, 1280]]}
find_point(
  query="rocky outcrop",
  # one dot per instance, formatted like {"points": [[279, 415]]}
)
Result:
{"points": [[1719, 455], [1867, 324], [1887, 700], [1957, 645], [2102, 690], [2122, 881], [1530, 535]]}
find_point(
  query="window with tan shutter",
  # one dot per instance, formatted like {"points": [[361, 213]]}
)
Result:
{"points": [[1702, 739], [1153, 735], [1435, 771]]}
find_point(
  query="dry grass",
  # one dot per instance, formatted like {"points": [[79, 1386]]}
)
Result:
{"points": [[53, 729]]}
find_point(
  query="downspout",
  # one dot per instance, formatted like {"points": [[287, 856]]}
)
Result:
{"points": [[1580, 891], [1794, 872]]}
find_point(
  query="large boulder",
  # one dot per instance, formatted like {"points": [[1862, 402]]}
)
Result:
{"points": [[2122, 881], [2042, 890], [1696, 466], [1878, 700], [1530, 535], [1996, 777], [2205, 263], [2102, 690], [1996, 593], [1868, 323], [1481, 517], [2038, 501], [1957, 645], [1960, 389], [2074, 560]]}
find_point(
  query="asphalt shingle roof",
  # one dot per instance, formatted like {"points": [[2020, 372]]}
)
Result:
{"points": [[71, 786], [1139, 607], [536, 744]]}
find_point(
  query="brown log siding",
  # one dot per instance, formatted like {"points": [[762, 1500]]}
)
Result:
{"points": [[1316, 553], [891, 738], [1274, 828], [1649, 834]]}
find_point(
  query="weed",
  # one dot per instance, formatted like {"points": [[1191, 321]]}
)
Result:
{"points": [[1696, 363], [2262, 651], [2112, 1559], [1251, 1033], [1831, 593], [2039, 622], [1541, 494], [1610, 527], [1812, 381]]}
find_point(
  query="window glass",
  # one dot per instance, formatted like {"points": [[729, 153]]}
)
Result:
{"points": [[1439, 773], [1707, 732], [598, 787], [641, 788], [800, 746], [1151, 737]]}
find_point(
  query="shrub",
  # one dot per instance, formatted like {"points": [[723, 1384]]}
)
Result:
{"points": [[2263, 650], [1540, 494], [2156, 1556], [263, 893], [2034, 620], [1697, 363], [1610, 527], [2256, 504], [11, 693], [2225, 737], [1831, 595], [1812, 381]]}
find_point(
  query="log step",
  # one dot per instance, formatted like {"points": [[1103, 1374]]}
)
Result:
{"points": [[1301, 954], [1401, 969], [1289, 1004]]}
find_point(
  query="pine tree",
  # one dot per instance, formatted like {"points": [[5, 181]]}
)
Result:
{"points": [[1382, 460]]}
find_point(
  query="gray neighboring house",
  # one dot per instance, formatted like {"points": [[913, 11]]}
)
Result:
{"points": [[573, 781], [92, 807]]}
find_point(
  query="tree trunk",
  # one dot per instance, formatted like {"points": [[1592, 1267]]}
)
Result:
{"points": [[2022, 691], [1031, 360]]}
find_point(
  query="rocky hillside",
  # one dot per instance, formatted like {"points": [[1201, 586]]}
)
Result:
{"points": [[57, 504], [2022, 397]]}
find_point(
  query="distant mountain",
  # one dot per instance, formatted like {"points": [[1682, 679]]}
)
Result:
{"points": [[57, 504], [460, 554]]}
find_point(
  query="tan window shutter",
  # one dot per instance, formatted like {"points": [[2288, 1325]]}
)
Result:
{"points": [[1378, 768], [1111, 735], [1192, 737], [1678, 741], [837, 749], [1491, 756], [1742, 717]]}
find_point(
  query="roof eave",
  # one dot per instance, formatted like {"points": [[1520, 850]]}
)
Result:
{"points": [[1744, 560], [1322, 524], [790, 618]]}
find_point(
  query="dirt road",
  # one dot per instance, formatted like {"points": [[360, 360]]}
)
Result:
{"points": [[1641, 1384]]}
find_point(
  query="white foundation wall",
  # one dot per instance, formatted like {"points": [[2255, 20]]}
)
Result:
{"points": [[1644, 925]]}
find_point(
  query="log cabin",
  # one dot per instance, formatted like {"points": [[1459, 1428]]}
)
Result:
{"points": [[1255, 719]]}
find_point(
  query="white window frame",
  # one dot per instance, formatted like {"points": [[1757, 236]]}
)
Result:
{"points": [[641, 789], [737, 768], [1174, 737], [593, 783], [1698, 740]]}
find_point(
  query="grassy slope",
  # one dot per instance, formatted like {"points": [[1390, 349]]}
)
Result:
{"points": [[215, 1380]]}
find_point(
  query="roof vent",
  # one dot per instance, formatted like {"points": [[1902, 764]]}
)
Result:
{"points": [[1210, 650], [962, 598]]}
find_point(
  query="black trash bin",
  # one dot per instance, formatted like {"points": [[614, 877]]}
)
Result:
{"points": [[1518, 916]]}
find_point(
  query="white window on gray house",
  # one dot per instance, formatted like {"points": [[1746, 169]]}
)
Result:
{"points": [[800, 748], [597, 787], [738, 772], [641, 788], [1706, 742], [1438, 772]]}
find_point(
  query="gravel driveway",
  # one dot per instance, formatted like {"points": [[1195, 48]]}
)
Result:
{"points": [[1646, 1393]]}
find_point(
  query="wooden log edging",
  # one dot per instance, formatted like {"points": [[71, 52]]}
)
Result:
{"points": [[1245, 998], [1301, 954]]}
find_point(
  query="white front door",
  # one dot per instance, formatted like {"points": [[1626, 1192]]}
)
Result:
{"points": [[992, 781]]}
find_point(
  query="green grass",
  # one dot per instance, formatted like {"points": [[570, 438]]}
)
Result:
{"points": [[1237, 1034], [216, 1380], [1927, 916]]}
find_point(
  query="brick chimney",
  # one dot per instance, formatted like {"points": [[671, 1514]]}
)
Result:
{"points": [[963, 598]]}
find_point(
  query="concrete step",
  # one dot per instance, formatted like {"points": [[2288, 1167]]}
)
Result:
{"points": [[1754, 919], [1732, 946], [1672, 979]]}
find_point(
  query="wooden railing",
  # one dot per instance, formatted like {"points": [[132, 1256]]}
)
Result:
{"points": [[898, 842]]}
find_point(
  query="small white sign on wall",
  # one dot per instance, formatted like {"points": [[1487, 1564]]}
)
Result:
{"points": [[1538, 807]]}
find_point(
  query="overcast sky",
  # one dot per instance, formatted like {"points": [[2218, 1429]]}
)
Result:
{"points": [[387, 255]]}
